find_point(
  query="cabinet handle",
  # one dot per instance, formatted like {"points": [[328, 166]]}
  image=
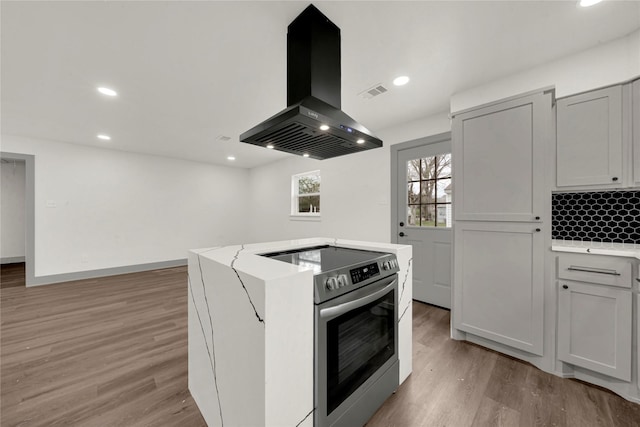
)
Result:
{"points": [[637, 280], [595, 270], [565, 287], [615, 178], [537, 218], [537, 230]]}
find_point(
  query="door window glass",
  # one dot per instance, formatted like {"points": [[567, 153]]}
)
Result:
{"points": [[429, 191]]}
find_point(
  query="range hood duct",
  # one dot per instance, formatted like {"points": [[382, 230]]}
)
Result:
{"points": [[313, 97]]}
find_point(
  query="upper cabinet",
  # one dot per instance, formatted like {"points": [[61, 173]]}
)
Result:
{"points": [[589, 139], [636, 131], [499, 160]]}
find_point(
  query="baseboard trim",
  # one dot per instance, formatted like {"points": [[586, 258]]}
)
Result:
{"points": [[12, 259], [103, 272]]}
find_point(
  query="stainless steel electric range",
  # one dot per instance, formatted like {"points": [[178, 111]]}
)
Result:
{"points": [[356, 331]]}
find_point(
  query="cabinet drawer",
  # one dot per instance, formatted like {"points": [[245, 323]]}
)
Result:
{"points": [[604, 270]]}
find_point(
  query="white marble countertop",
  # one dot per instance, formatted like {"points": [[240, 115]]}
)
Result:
{"points": [[596, 248], [266, 268]]}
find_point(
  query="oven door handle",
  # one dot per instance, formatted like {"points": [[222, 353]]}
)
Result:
{"points": [[338, 310]]}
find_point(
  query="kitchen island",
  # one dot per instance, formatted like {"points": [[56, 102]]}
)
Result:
{"points": [[251, 331]]}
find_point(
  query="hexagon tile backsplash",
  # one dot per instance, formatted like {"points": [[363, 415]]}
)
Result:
{"points": [[605, 216]]}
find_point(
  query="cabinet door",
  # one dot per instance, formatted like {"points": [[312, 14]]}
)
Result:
{"points": [[589, 139], [594, 328], [498, 160], [636, 131], [499, 283]]}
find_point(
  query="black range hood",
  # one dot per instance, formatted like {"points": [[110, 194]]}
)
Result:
{"points": [[313, 97]]}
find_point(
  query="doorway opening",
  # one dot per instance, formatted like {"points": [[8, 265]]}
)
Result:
{"points": [[18, 219]]}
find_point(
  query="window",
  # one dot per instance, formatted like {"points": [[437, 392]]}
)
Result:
{"points": [[305, 199], [429, 191]]}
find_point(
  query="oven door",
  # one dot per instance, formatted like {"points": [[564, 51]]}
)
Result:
{"points": [[356, 343]]}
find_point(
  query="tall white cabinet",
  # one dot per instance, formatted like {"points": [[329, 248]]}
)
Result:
{"points": [[636, 131], [500, 213]]}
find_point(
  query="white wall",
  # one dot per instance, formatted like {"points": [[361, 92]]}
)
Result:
{"points": [[355, 191], [603, 65], [355, 201], [97, 208], [12, 215]]}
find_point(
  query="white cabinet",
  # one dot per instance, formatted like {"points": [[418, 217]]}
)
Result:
{"points": [[595, 322], [499, 174], [594, 328], [499, 282], [636, 131], [498, 155], [589, 139]]}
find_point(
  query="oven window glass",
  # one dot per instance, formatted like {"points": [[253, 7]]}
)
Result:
{"points": [[358, 344]]}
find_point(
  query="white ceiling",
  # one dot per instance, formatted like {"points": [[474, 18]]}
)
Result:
{"points": [[188, 72]]}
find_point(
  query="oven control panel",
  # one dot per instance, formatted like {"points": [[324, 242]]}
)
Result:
{"points": [[333, 283], [365, 272]]}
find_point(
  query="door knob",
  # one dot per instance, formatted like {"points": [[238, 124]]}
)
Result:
{"points": [[401, 234]]}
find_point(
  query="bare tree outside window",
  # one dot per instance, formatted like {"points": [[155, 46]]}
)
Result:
{"points": [[429, 191], [306, 193]]}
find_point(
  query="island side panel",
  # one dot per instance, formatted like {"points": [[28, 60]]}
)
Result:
{"points": [[289, 350], [405, 299], [226, 343]]}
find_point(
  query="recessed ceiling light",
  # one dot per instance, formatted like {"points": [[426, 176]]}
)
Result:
{"points": [[231, 158], [587, 3], [104, 137], [305, 155], [107, 91], [360, 141], [270, 147], [401, 81], [324, 127]]}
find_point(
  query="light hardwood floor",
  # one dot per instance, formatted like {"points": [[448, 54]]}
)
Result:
{"points": [[113, 352]]}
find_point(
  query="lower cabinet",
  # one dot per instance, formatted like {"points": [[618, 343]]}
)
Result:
{"points": [[499, 282], [595, 328]]}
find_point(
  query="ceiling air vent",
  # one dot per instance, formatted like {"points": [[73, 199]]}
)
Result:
{"points": [[374, 90]]}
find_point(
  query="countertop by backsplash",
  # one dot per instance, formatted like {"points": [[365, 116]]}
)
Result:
{"points": [[630, 250]]}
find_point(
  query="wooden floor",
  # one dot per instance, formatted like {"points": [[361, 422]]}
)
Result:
{"points": [[113, 352], [12, 275]]}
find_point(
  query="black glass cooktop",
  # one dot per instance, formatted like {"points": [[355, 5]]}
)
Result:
{"points": [[325, 258]]}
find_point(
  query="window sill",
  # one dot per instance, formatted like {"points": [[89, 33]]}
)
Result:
{"points": [[305, 218]]}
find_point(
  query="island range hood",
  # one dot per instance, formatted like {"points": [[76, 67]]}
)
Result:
{"points": [[313, 124]]}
